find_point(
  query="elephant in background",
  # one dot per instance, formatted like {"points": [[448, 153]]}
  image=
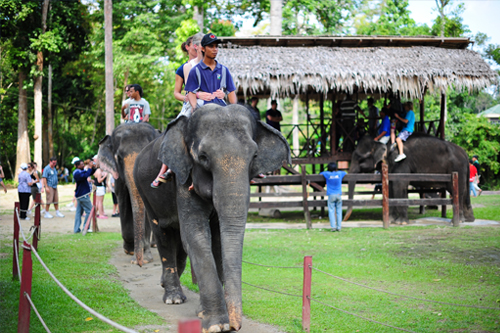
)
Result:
{"points": [[218, 150], [425, 154], [117, 155]]}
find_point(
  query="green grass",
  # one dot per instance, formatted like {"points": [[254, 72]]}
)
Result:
{"points": [[487, 207], [81, 264], [454, 265]]}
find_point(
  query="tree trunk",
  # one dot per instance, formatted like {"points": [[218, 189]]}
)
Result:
{"points": [[23, 142], [50, 127], [108, 48], [38, 92], [199, 17], [276, 17]]}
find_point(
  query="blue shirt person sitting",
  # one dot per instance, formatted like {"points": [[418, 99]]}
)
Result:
{"points": [[407, 130], [210, 76], [384, 132], [334, 192]]}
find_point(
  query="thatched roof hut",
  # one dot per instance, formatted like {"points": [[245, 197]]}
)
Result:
{"points": [[286, 66]]}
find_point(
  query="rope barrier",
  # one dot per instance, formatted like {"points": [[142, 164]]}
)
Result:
{"points": [[399, 295], [355, 315], [273, 291], [36, 311], [251, 263], [83, 305], [16, 251]]}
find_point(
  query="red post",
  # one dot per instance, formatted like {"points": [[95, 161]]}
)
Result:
{"points": [[456, 204], [23, 325], [36, 235], [15, 242], [306, 294], [190, 326], [385, 194]]}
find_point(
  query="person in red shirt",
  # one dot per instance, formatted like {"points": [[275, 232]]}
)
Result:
{"points": [[472, 176]]}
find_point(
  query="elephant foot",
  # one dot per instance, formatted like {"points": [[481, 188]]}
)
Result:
{"points": [[130, 253], [148, 257], [174, 297], [215, 324]]}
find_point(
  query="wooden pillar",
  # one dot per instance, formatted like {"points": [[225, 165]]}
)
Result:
{"points": [[385, 194], [307, 214], [456, 204], [443, 207], [306, 294], [442, 116], [422, 114], [333, 130], [322, 126]]}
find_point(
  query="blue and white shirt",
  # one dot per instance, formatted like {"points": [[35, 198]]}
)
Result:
{"points": [[51, 176]]}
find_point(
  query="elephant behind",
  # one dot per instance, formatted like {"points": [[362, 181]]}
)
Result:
{"points": [[117, 155], [218, 150], [425, 154]]}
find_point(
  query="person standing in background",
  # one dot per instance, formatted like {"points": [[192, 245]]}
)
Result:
{"points": [[475, 162], [273, 116], [111, 188], [24, 191], [82, 193], [334, 192], [100, 183], [49, 180]]}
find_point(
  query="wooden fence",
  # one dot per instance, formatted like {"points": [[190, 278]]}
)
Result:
{"points": [[318, 181]]}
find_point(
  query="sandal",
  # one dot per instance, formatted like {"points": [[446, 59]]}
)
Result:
{"points": [[166, 177], [155, 184]]}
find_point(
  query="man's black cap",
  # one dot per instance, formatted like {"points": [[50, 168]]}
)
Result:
{"points": [[209, 39]]}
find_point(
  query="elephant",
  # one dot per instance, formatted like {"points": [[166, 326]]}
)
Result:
{"points": [[425, 154], [117, 155], [218, 150]]}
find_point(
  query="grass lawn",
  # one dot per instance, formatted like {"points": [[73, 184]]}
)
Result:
{"points": [[446, 264], [81, 264]]}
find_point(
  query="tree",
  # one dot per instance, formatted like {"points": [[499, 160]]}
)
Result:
{"points": [[450, 25], [389, 17], [276, 17]]}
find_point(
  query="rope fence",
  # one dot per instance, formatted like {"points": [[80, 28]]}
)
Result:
{"points": [[306, 296]]}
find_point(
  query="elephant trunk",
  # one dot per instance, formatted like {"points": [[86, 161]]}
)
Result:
{"points": [[231, 200]]}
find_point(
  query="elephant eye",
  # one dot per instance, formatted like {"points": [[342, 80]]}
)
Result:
{"points": [[203, 158]]}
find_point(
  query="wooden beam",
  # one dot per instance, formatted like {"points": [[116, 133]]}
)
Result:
{"points": [[307, 214], [442, 116], [385, 194]]}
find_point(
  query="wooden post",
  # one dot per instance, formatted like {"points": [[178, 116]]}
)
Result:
{"points": [[443, 207], [422, 113], [385, 194], [333, 130], [322, 128], [307, 214], [306, 294], [36, 234], [15, 258], [442, 116], [23, 325], [456, 204], [189, 326]]}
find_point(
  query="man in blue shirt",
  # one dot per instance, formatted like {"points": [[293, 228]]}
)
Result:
{"points": [[82, 195], [384, 132], [407, 130], [334, 192], [210, 76]]}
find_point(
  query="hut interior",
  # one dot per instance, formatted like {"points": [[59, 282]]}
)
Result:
{"points": [[327, 68]]}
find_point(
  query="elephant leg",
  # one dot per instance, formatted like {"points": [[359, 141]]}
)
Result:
{"points": [[168, 241], [148, 256], [126, 216], [194, 217]]}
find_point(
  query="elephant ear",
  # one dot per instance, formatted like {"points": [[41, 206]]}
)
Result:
{"points": [[379, 152], [273, 150], [173, 149], [106, 156]]}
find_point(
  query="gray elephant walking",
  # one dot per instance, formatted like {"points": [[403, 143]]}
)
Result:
{"points": [[117, 155], [219, 150]]}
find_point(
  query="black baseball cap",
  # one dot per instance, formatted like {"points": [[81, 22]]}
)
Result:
{"points": [[209, 39]]}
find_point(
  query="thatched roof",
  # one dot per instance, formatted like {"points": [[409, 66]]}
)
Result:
{"points": [[286, 71]]}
